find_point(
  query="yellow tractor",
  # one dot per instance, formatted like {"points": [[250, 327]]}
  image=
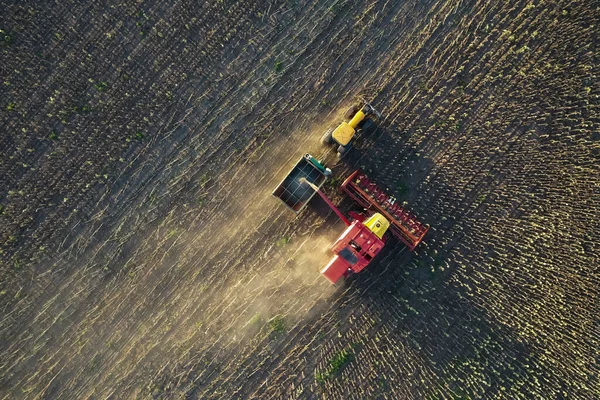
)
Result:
{"points": [[357, 118]]}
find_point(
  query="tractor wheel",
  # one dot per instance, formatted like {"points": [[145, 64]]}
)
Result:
{"points": [[351, 112], [366, 125], [343, 150], [327, 137]]}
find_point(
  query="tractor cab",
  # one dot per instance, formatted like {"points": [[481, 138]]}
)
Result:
{"points": [[346, 130], [377, 224], [356, 247], [341, 136]]}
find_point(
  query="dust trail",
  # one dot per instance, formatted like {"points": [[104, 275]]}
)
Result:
{"points": [[203, 285], [291, 289], [246, 262]]}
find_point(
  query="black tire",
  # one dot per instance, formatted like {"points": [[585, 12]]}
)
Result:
{"points": [[327, 137], [349, 114], [366, 125], [343, 150]]}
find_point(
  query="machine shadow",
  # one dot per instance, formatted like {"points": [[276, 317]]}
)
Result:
{"points": [[421, 311], [412, 294]]}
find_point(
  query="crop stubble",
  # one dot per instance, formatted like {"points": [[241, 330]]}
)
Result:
{"points": [[142, 254]]}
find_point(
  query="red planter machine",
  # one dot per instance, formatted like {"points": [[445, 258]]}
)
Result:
{"points": [[404, 224]]}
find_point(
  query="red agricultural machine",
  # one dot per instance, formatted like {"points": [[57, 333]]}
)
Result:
{"points": [[366, 231]]}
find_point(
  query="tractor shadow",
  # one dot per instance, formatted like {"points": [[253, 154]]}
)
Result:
{"points": [[387, 157]]}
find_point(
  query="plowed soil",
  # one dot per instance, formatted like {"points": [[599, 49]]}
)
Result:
{"points": [[143, 256]]}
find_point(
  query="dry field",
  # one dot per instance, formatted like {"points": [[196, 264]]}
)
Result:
{"points": [[142, 256]]}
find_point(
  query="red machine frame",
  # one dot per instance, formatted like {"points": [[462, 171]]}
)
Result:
{"points": [[354, 250], [403, 224]]}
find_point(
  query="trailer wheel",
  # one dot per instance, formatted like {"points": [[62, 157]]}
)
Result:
{"points": [[351, 112], [327, 137], [343, 150]]}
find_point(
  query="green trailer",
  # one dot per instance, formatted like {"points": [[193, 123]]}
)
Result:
{"points": [[295, 190]]}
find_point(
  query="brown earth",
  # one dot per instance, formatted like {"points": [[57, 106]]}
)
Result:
{"points": [[142, 256]]}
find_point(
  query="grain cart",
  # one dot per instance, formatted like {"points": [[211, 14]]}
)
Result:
{"points": [[293, 190], [368, 231], [342, 135]]}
